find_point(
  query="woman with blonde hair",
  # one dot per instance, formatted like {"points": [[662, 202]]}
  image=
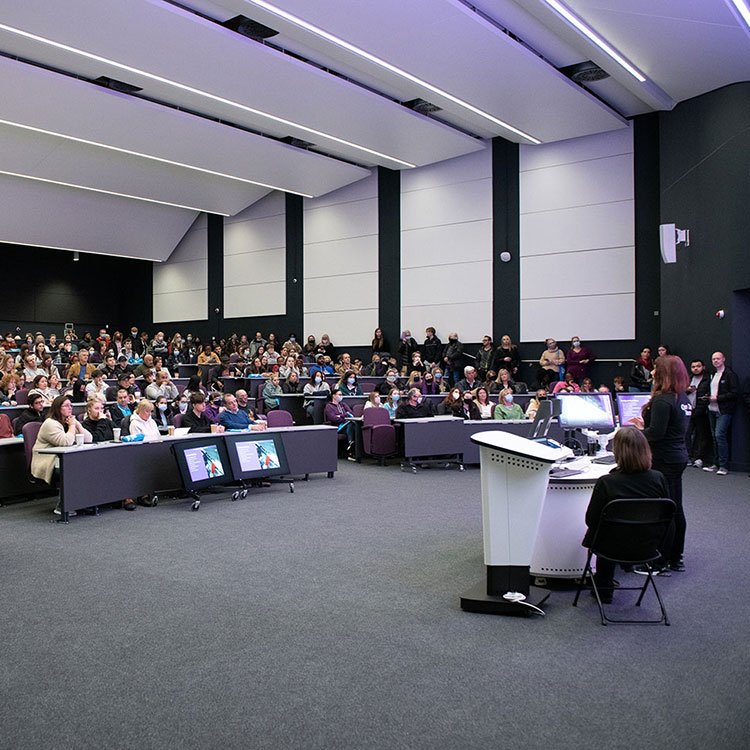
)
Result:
{"points": [[141, 422]]}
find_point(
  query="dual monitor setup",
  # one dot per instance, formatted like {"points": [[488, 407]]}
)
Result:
{"points": [[212, 460]]}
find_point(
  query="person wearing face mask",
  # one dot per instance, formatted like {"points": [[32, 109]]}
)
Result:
{"points": [[159, 346], [390, 382], [533, 406], [453, 356], [392, 401], [337, 415], [349, 385], [292, 345], [452, 404], [309, 350], [414, 406], [507, 408], [162, 412], [316, 387], [195, 418], [551, 364], [374, 400], [429, 386], [214, 407], [578, 359]]}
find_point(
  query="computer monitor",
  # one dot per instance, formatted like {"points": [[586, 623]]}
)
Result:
{"points": [[631, 405], [256, 454], [202, 462], [543, 419], [586, 410]]}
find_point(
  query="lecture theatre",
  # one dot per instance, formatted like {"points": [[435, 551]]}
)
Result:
{"points": [[371, 371]]}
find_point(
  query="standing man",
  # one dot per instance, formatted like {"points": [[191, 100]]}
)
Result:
{"points": [[699, 433], [453, 355], [722, 401]]}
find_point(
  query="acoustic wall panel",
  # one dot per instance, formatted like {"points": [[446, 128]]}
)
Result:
{"points": [[181, 282], [341, 264], [446, 247], [578, 239], [255, 259]]}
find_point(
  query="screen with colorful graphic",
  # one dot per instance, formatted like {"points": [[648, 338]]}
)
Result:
{"points": [[202, 462], [256, 455]]}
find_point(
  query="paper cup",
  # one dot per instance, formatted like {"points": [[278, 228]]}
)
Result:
{"points": [[214, 428], [170, 430], [116, 432], [79, 439]]}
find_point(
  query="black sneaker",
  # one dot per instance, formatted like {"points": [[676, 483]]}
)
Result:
{"points": [[641, 570], [678, 566]]}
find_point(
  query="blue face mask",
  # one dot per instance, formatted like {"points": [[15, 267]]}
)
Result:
{"points": [[395, 397], [438, 376], [509, 399], [351, 381]]}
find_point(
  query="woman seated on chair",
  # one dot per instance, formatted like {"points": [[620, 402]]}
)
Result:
{"points": [[632, 477], [142, 423]]}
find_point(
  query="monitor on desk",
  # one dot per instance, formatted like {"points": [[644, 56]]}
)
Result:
{"points": [[256, 454], [202, 463], [586, 410], [543, 419], [631, 405]]}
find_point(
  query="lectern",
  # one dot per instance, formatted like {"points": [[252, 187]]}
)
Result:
{"points": [[514, 474]]}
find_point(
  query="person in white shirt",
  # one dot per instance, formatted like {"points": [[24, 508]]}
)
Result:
{"points": [[97, 384], [162, 386], [722, 402]]}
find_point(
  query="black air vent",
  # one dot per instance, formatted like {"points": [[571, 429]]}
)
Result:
{"points": [[115, 85], [249, 28], [422, 106], [584, 72], [297, 142]]}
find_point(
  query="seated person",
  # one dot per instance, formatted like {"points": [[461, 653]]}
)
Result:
{"points": [[452, 404], [41, 385], [109, 367], [316, 387], [292, 384], [123, 383], [587, 386], [243, 400], [322, 364], [533, 406], [79, 373], [214, 407], [163, 412], [373, 401], [632, 477], [32, 413], [429, 386], [146, 366], [506, 408], [162, 386], [123, 408], [503, 381], [414, 406], [483, 403], [567, 385], [194, 418], [416, 363], [142, 384], [470, 380], [337, 415], [271, 392], [234, 418], [619, 384], [376, 368], [392, 402], [97, 385], [31, 368], [390, 382], [349, 385], [122, 365], [97, 423], [142, 423]]}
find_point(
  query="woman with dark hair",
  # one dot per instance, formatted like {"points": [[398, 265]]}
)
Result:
{"points": [[349, 385], [58, 430], [194, 385], [483, 403], [640, 375], [664, 423], [578, 358], [379, 344], [633, 477]]}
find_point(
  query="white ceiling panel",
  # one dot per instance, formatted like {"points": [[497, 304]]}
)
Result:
{"points": [[226, 75], [44, 215]]}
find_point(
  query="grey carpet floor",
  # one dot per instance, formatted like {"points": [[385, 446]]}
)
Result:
{"points": [[330, 618]]}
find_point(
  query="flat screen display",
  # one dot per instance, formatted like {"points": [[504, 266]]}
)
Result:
{"points": [[591, 410], [202, 463], [630, 405], [255, 455]]}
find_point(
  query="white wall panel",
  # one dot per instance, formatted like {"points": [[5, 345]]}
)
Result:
{"points": [[610, 271], [268, 298], [181, 283], [577, 239], [607, 317], [341, 264], [255, 260], [446, 247]]}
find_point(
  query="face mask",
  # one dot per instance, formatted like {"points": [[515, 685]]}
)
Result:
{"points": [[455, 395], [428, 379], [419, 399], [391, 378], [395, 397], [292, 339], [377, 402], [438, 376], [453, 341], [318, 380], [509, 399], [183, 407], [576, 342], [351, 381], [162, 407], [337, 399], [467, 398]]}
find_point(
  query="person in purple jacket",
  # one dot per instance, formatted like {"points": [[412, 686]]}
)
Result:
{"points": [[337, 415], [578, 359]]}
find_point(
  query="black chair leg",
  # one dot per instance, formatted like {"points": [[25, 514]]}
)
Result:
{"points": [[582, 582]]}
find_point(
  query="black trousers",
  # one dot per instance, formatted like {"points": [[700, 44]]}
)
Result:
{"points": [[675, 543], [698, 438]]}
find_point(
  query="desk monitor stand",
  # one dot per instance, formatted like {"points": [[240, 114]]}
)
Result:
{"points": [[514, 473]]}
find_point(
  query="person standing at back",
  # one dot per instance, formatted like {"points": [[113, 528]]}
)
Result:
{"points": [[722, 401], [664, 423]]}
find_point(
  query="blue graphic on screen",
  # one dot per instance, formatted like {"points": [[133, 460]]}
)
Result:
{"points": [[257, 455], [204, 463], [630, 405]]}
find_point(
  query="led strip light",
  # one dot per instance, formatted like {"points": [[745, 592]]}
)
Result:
{"points": [[199, 92], [301, 23]]}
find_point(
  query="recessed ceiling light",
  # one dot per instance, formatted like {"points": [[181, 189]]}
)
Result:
{"points": [[588, 32], [108, 192], [200, 92], [151, 157], [387, 66]]}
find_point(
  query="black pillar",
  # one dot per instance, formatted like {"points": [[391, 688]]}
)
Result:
{"points": [[294, 266], [215, 274], [506, 279], [389, 254]]}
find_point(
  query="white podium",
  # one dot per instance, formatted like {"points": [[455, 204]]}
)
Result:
{"points": [[514, 475]]}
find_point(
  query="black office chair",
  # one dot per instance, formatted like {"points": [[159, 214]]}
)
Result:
{"points": [[630, 532]]}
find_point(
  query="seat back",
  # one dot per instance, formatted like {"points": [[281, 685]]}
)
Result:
{"points": [[378, 434], [632, 531], [30, 434], [279, 418], [375, 415], [15, 426], [358, 409], [177, 420], [125, 425], [6, 428], [22, 396]]}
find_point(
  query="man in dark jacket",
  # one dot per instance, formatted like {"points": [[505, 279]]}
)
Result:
{"points": [[452, 358], [722, 401], [32, 413], [414, 407], [699, 433]]}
